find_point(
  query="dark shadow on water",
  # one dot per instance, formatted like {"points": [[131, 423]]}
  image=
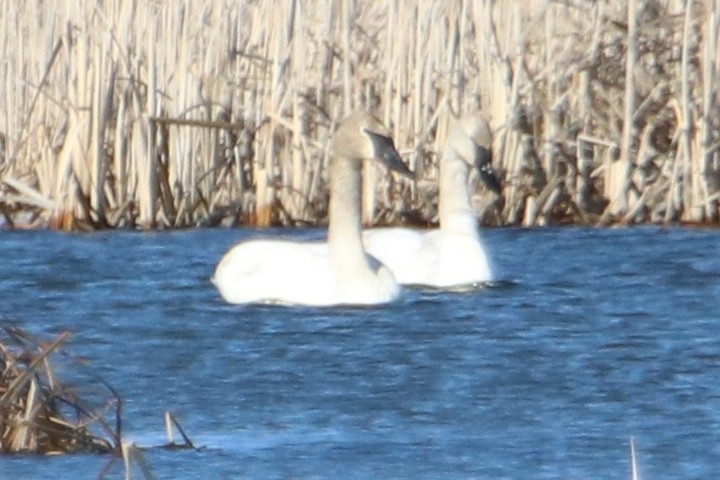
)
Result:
{"points": [[469, 288]]}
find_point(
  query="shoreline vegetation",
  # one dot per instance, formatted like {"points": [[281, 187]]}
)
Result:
{"points": [[43, 414], [161, 115]]}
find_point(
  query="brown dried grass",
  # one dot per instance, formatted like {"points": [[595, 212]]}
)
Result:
{"points": [[177, 114], [34, 403]]}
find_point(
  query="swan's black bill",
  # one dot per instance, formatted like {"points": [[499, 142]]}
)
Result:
{"points": [[385, 151], [483, 159]]}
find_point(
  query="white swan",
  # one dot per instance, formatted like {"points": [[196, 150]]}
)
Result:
{"points": [[321, 273], [453, 255]]}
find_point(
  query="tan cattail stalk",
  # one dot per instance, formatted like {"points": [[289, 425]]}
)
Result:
{"points": [[711, 47], [618, 175], [81, 94]]}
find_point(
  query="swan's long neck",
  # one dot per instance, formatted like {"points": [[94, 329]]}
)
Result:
{"points": [[344, 231], [456, 213]]}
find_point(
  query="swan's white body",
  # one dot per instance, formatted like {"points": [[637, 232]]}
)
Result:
{"points": [[453, 255], [336, 272], [300, 273]]}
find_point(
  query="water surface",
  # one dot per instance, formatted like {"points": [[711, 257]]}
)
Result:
{"points": [[588, 338]]}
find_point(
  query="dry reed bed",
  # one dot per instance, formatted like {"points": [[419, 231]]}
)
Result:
{"points": [[40, 414], [175, 114], [35, 406]]}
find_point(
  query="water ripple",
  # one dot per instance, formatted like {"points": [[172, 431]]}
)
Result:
{"points": [[588, 337]]}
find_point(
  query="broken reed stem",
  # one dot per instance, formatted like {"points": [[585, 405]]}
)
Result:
{"points": [[132, 455], [17, 385], [618, 176], [92, 119], [170, 420], [633, 460], [33, 399], [686, 120]]}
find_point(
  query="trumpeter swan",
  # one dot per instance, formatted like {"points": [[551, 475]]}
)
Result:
{"points": [[453, 255], [336, 272]]}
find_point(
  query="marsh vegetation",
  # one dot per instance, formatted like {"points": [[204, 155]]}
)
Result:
{"points": [[175, 114]]}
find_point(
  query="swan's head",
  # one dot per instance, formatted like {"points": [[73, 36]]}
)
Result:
{"points": [[470, 139], [361, 136]]}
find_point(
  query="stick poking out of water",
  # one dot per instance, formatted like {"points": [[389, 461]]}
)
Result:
{"points": [[170, 420], [633, 460]]}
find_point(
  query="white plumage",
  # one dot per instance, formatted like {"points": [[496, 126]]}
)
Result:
{"points": [[453, 255], [321, 273]]}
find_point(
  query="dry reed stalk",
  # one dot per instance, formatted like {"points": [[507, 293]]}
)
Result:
{"points": [[27, 195], [133, 455], [703, 181], [102, 104], [686, 124], [146, 167], [711, 45], [32, 419], [618, 175], [81, 91], [171, 421], [633, 461]]}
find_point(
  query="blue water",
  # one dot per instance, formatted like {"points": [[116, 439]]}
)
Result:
{"points": [[590, 337]]}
